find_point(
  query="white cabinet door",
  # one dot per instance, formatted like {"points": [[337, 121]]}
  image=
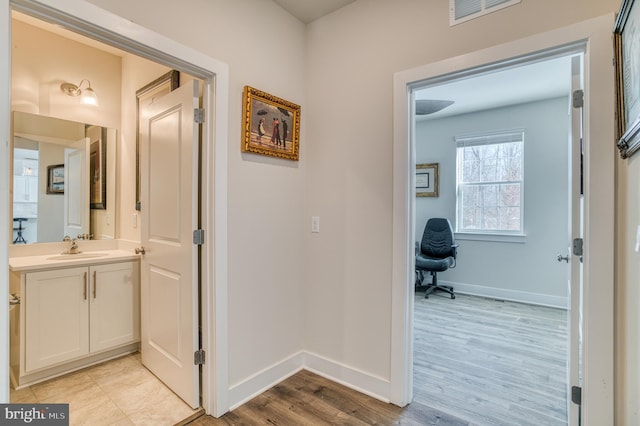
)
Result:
{"points": [[56, 317], [114, 293]]}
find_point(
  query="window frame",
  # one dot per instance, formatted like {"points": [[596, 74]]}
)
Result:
{"points": [[486, 139]]}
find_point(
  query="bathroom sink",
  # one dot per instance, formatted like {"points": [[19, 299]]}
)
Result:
{"points": [[67, 256]]}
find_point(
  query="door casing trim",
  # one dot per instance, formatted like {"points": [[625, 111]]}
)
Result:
{"points": [[599, 191], [94, 22]]}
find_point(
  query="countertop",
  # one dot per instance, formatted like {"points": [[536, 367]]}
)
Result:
{"points": [[59, 260]]}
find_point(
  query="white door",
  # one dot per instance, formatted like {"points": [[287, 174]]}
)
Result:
{"points": [[76, 189], [169, 177], [575, 232]]}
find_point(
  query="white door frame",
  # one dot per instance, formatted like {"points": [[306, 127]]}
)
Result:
{"points": [[94, 22], [597, 396]]}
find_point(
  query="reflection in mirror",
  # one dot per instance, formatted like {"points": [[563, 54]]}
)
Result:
{"points": [[63, 180]]}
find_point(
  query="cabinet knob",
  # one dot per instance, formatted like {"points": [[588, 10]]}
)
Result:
{"points": [[140, 250]]}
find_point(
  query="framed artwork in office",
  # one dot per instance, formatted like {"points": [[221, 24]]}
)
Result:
{"points": [[427, 180], [627, 67]]}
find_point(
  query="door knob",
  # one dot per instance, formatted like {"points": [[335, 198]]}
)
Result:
{"points": [[140, 250], [561, 258]]}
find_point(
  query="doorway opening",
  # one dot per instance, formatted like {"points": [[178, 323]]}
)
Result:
{"points": [[515, 206], [141, 42]]}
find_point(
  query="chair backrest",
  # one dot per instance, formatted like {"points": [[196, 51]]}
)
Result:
{"points": [[437, 239]]}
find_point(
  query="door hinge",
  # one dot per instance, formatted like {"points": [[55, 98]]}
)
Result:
{"points": [[578, 246], [578, 98], [198, 357], [576, 395], [198, 115], [198, 236]]}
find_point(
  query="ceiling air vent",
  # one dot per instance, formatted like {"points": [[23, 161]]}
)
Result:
{"points": [[464, 10]]}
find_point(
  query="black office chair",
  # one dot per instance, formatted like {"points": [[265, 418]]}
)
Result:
{"points": [[437, 252]]}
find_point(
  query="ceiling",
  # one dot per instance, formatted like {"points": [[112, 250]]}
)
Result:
{"points": [[527, 83], [310, 10], [541, 80], [533, 82]]}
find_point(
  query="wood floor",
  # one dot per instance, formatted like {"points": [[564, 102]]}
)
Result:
{"points": [[477, 362], [491, 362], [308, 399]]}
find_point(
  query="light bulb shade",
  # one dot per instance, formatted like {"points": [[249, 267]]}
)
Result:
{"points": [[89, 97]]}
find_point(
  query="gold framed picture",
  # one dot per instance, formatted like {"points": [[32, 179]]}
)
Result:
{"points": [[427, 180], [270, 125]]}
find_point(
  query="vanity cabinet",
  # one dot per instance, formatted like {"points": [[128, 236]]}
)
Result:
{"points": [[56, 317], [76, 316]]}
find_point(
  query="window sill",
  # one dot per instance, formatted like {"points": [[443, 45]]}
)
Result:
{"points": [[499, 238]]}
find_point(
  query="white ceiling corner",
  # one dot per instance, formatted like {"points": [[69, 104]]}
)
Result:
{"points": [[310, 10]]}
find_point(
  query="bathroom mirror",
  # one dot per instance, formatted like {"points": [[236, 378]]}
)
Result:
{"points": [[63, 180]]}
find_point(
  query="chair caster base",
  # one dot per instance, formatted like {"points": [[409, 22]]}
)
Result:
{"points": [[432, 288]]}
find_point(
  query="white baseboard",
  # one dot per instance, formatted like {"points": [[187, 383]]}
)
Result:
{"points": [[375, 387], [351, 377], [507, 294], [267, 378], [264, 380]]}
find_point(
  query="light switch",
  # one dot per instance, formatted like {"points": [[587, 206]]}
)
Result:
{"points": [[315, 224], [638, 239]]}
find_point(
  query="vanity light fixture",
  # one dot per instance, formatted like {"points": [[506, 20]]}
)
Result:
{"points": [[87, 96]]}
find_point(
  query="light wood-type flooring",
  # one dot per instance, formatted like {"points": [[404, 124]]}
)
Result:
{"points": [[477, 362], [491, 362]]}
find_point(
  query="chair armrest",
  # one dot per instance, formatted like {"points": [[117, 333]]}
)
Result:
{"points": [[454, 249]]}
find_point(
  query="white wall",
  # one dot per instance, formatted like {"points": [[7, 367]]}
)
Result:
{"points": [[352, 56], [519, 270], [36, 89], [628, 295], [265, 48]]}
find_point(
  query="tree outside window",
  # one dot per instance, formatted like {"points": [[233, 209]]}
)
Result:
{"points": [[490, 182]]}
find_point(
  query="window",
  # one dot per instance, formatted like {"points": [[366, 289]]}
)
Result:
{"points": [[490, 183], [464, 10]]}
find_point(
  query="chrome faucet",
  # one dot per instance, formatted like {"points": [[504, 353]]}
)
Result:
{"points": [[73, 249], [14, 300]]}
